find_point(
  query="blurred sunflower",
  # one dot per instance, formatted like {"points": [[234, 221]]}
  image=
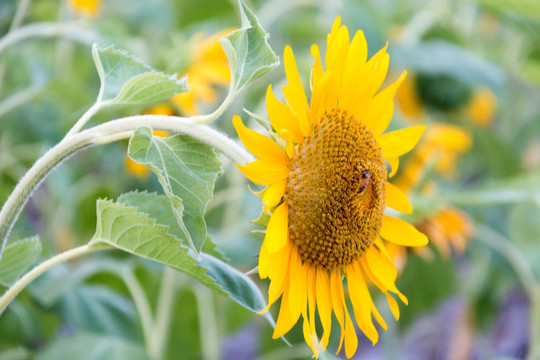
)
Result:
{"points": [[88, 8], [448, 228], [446, 93], [209, 67], [136, 169], [326, 176]]}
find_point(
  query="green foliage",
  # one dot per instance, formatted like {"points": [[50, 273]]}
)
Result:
{"points": [[247, 49], [17, 258], [127, 80], [124, 228], [88, 346], [187, 170]]}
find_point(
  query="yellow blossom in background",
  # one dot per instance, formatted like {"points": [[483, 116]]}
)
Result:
{"points": [[408, 101], [88, 8], [441, 146], [136, 169], [209, 68], [449, 228], [482, 107], [328, 190]]}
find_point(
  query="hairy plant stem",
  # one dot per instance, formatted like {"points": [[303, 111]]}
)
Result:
{"points": [[525, 274], [165, 304], [46, 29], [16, 288], [142, 305], [207, 323], [102, 134]]}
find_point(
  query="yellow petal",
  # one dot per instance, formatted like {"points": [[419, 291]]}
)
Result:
{"points": [[294, 92], [273, 194], [336, 294], [394, 307], [317, 70], [297, 285], [401, 232], [354, 65], [284, 322], [282, 118], [361, 301], [351, 340], [399, 142], [310, 287], [324, 304], [397, 200], [394, 165], [264, 172], [310, 337], [277, 232], [381, 108], [259, 145]]}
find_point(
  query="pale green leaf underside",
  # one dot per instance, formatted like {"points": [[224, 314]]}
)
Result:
{"points": [[127, 80], [249, 54], [187, 170], [17, 258], [127, 228]]}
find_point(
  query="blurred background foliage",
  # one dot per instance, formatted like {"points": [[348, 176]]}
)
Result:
{"points": [[474, 78]]}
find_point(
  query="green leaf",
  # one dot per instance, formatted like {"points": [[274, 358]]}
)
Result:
{"points": [[159, 208], [98, 309], [239, 286], [87, 346], [17, 258], [124, 228], [249, 54], [127, 80], [187, 170]]}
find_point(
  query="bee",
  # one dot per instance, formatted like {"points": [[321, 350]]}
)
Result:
{"points": [[366, 177]]}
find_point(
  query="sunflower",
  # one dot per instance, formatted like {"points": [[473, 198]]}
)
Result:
{"points": [[327, 191], [208, 67]]}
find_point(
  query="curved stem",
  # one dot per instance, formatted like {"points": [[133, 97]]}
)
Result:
{"points": [[207, 323], [165, 304], [40, 269], [85, 118], [19, 15], [65, 30], [102, 134], [142, 305], [204, 133], [33, 177], [200, 119]]}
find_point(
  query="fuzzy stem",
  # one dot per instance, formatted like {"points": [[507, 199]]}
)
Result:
{"points": [[102, 134], [207, 323], [16, 288], [164, 311], [142, 305], [33, 177], [19, 14], [46, 29]]}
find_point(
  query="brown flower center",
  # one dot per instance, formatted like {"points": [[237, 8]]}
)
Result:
{"points": [[336, 192]]}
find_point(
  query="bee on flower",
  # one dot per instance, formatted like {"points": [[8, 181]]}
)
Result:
{"points": [[327, 191]]}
